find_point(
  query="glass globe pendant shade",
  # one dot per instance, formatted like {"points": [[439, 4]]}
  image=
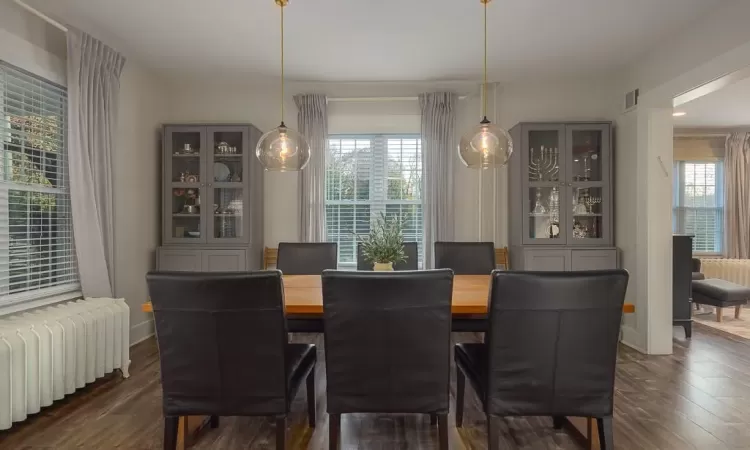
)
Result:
{"points": [[485, 146], [283, 149]]}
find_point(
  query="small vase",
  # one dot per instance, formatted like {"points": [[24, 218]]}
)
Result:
{"points": [[383, 267]]}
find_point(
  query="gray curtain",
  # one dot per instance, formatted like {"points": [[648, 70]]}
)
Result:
{"points": [[737, 195], [93, 87], [312, 121], [438, 156]]}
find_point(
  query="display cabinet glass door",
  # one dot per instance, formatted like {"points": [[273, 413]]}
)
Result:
{"points": [[588, 181], [228, 167], [185, 166], [544, 167]]}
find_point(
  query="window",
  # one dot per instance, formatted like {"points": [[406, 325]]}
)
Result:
{"points": [[37, 257], [699, 204], [369, 175]]}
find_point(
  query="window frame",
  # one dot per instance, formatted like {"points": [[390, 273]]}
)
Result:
{"points": [[376, 205], [38, 296], [678, 202]]}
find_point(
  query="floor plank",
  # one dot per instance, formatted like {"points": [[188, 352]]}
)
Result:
{"points": [[697, 398]]}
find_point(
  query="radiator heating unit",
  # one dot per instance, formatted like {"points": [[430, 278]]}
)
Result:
{"points": [[48, 353], [734, 270]]}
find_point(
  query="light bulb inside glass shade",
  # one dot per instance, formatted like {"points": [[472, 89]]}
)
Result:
{"points": [[283, 149], [485, 146]]}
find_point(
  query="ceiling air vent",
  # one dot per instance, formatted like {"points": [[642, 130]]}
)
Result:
{"points": [[631, 99]]}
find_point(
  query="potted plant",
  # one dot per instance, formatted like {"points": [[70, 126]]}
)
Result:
{"points": [[384, 246]]}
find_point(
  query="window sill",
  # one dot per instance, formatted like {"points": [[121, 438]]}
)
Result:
{"points": [[708, 255], [25, 305]]}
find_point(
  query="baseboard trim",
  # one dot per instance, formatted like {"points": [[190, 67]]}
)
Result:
{"points": [[630, 338], [141, 332]]}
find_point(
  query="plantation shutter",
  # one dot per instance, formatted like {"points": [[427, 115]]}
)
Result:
{"points": [[367, 176], [37, 256], [699, 204]]}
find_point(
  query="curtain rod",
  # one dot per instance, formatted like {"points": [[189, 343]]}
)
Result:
{"points": [[42, 16], [376, 99]]}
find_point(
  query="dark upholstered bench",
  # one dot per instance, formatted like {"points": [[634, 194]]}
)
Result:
{"points": [[720, 294]]}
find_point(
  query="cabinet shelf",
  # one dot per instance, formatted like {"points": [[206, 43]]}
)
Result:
{"points": [[228, 196]]}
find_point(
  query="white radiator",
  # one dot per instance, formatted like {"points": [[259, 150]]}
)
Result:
{"points": [[48, 353], [734, 270]]}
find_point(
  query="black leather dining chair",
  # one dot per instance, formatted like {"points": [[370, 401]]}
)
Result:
{"points": [[411, 262], [387, 344], [550, 349], [306, 258], [223, 349], [465, 258]]}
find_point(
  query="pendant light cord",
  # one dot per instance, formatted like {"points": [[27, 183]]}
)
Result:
{"points": [[484, 86], [282, 63]]}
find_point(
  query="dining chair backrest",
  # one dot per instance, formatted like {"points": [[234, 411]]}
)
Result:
{"points": [[552, 342], [387, 340], [411, 262], [465, 258], [306, 258], [222, 339]]}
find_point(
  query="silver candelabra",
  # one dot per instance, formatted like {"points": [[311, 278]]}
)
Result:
{"points": [[544, 165]]}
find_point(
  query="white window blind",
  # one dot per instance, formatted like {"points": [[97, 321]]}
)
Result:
{"points": [[699, 204], [37, 257], [367, 175]]}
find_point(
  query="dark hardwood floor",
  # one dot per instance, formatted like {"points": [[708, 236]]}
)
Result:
{"points": [[697, 398]]}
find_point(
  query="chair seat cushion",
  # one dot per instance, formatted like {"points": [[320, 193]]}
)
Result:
{"points": [[698, 276], [300, 359], [721, 290], [473, 360]]}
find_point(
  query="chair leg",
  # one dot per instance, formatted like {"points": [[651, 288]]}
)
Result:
{"points": [[460, 389], [491, 434], [334, 431], [606, 439], [433, 419], [171, 424], [281, 432], [214, 422], [443, 430], [558, 422], [719, 314], [737, 311], [311, 398]]}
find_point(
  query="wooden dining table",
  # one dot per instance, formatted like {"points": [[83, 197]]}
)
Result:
{"points": [[303, 303], [303, 297]]}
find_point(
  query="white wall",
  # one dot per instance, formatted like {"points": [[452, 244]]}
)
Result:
{"points": [[137, 187], [230, 99], [30, 43]]}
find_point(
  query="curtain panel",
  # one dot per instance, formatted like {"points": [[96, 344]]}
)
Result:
{"points": [[737, 195], [312, 121], [438, 156], [93, 89]]}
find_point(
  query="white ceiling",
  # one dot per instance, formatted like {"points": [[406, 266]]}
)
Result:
{"points": [[385, 40], [728, 107]]}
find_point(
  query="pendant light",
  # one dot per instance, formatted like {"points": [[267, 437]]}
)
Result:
{"points": [[283, 149], [486, 145]]}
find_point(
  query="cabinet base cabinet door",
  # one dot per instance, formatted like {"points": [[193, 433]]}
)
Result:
{"points": [[547, 260], [224, 260], [179, 260], [594, 259]]}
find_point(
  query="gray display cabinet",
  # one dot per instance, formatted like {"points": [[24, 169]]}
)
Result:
{"points": [[212, 191], [560, 197]]}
